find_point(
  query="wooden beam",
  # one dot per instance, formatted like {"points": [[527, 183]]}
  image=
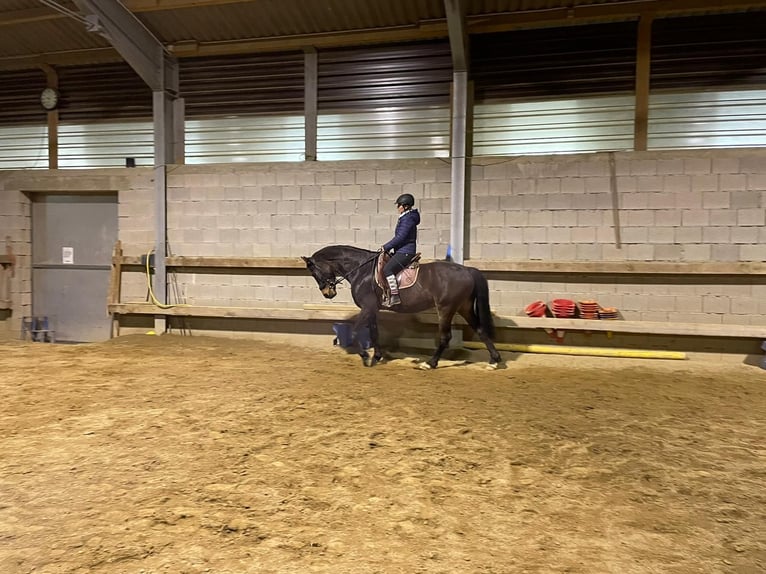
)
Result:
{"points": [[245, 262], [343, 313], [52, 81], [340, 39], [115, 277], [602, 12], [570, 267], [622, 267], [231, 312], [637, 327], [65, 58], [643, 68], [29, 15], [7, 262], [158, 5], [310, 103], [602, 325]]}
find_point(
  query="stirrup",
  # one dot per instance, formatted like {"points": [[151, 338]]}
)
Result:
{"points": [[392, 300]]}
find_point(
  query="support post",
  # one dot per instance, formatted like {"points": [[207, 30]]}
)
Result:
{"points": [[52, 81], [310, 108], [460, 168], [159, 70], [643, 69]]}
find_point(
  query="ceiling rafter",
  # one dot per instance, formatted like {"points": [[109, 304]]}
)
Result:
{"points": [[425, 30], [137, 6], [590, 13]]}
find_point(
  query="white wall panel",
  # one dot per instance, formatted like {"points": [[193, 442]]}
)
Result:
{"points": [[245, 139], [384, 134], [105, 144], [707, 119], [554, 126], [24, 147]]}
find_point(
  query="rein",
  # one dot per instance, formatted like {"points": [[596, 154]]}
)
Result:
{"points": [[362, 264]]}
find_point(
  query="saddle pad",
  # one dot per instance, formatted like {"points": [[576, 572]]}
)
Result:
{"points": [[405, 278]]}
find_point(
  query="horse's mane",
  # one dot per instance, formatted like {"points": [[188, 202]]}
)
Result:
{"points": [[334, 251]]}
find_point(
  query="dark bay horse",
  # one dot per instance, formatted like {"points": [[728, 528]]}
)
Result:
{"points": [[450, 287]]}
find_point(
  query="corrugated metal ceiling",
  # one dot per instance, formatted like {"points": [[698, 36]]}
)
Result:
{"points": [[33, 33]]}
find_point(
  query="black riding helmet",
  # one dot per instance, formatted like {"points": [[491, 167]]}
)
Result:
{"points": [[406, 200]]}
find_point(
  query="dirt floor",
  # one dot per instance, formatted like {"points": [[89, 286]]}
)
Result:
{"points": [[189, 455]]}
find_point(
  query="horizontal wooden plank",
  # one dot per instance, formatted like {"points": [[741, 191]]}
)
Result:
{"points": [[571, 267], [219, 262], [230, 312], [623, 267], [345, 312], [243, 262], [645, 327], [602, 325], [6, 259]]}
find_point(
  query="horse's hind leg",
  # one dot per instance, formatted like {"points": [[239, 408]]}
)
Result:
{"points": [[445, 334], [466, 312]]}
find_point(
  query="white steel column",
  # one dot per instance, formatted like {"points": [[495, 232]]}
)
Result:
{"points": [[159, 69], [460, 118]]}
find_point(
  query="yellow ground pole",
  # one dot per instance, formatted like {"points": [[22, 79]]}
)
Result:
{"points": [[585, 351]]}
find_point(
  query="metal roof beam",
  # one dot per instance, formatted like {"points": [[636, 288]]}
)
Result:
{"points": [[145, 54], [458, 38]]}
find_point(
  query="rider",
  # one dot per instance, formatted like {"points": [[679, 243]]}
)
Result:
{"points": [[404, 245]]}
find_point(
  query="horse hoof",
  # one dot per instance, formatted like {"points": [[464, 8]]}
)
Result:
{"points": [[424, 367], [492, 367]]}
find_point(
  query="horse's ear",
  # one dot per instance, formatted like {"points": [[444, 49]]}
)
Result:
{"points": [[306, 260]]}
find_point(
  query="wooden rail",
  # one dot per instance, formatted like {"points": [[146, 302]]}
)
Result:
{"points": [[344, 313], [583, 267], [7, 262], [623, 267], [121, 263]]}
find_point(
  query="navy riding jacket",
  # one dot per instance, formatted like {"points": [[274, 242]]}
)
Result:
{"points": [[406, 234]]}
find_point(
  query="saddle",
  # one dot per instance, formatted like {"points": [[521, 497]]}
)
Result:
{"points": [[405, 278]]}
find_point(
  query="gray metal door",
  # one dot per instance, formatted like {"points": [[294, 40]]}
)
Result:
{"points": [[72, 241]]}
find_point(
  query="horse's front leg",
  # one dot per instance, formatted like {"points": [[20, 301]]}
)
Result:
{"points": [[374, 339], [368, 318]]}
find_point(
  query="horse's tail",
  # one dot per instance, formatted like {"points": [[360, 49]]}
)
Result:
{"points": [[481, 302]]}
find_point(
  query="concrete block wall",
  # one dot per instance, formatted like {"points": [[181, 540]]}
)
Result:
{"points": [[294, 209], [672, 206], [15, 227], [653, 206], [135, 189]]}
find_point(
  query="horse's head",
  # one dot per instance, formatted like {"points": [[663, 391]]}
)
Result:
{"points": [[324, 276]]}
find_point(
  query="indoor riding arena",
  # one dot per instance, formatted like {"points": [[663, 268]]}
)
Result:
{"points": [[182, 392]]}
